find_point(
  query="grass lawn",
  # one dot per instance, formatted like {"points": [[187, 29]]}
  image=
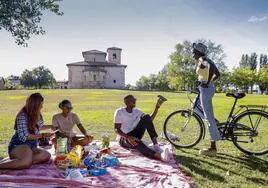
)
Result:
{"points": [[96, 108]]}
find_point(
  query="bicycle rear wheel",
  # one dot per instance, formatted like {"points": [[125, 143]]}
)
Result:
{"points": [[250, 132], [183, 129]]}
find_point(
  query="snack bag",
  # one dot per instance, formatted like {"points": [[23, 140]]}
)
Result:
{"points": [[62, 146], [75, 156]]}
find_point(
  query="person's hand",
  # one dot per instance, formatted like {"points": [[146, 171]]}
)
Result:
{"points": [[47, 135], [90, 138], [62, 135], [132, 140]]}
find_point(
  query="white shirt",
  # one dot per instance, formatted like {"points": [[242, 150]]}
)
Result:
{"points": [[127, 120]]}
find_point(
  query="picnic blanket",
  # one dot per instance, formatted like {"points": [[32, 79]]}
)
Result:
{"points": [[135, 170]]}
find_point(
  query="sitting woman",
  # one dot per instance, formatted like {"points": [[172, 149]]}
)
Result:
{"points": [[22, 149], [64, 123]]}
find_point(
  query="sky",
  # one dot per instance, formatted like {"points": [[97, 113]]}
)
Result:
{"points": [[146, 30]]}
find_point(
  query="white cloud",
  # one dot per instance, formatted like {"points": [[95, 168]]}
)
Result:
{"points": [[258, 18]]}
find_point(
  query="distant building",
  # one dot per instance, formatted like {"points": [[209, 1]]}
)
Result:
{"points": [[96, 71], [2, 83], [61, 84], [14, 81]]}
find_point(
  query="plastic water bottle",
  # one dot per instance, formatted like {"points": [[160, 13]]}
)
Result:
{"points": [[88, 162], [110, 160], [75, 174], [84, 172], [98, 171]]}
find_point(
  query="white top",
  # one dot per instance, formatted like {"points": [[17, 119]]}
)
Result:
{"points": [[127, 120]]}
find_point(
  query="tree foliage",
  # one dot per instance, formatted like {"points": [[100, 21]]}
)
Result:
{"points": [[22, 17], [243, 78], [38, 77], [262, 79]]}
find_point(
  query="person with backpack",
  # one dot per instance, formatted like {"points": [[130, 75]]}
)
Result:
{"points": [[207, 73]]}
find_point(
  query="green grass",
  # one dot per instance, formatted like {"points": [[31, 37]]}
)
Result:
{"points": [[96, 108]]}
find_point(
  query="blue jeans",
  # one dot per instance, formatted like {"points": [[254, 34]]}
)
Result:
{"points": [[206, 95]]}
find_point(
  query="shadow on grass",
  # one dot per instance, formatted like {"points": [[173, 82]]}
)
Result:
{"points": [[194, 164]]}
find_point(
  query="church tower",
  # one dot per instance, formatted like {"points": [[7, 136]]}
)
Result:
{"points": [[114, 55]]}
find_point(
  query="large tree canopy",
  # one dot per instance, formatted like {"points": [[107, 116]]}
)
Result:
{"points": [[181, 69], [22, 17], [38, 77]]}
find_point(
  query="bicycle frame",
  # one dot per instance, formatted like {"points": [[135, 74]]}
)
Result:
{"points": [[228, 123]]}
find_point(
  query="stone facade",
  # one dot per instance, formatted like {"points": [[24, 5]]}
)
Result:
{"points": [[97, 72]]}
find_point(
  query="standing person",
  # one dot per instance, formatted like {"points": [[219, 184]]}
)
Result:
{"points": [[65, 122], [131, 123], [207, 73], [22, 149]]}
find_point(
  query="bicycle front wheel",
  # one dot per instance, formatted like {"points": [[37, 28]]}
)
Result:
{"points": [[183, 129], [250, 132]]}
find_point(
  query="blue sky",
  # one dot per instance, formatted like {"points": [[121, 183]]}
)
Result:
{"points": [[146, 30]]}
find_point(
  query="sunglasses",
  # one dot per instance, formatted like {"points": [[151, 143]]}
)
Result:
{"points": [[69, 107]]}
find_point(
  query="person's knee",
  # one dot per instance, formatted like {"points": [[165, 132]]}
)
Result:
{"points": [[46, 156], [25, 163], [146, 117]]}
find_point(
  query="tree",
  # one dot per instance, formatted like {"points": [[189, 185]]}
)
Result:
{"points": [[43, 77], [181, 68], [143, 83], [38, 78], [27, 79], [249, 61], [243, 78], [263, 60], [262, 79], [8, 84], [21, 18]]}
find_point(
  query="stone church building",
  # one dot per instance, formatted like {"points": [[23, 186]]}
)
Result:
{"points": [[98, 70]]}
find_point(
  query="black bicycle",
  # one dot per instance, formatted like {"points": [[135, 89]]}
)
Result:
{"points": [[247, 128]]}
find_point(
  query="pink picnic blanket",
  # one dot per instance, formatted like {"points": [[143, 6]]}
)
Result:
{"points": [[135, 170]]}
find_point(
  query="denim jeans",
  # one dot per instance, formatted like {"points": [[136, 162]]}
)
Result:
{"points": [[206, 95]]}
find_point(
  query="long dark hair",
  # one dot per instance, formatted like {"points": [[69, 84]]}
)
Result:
{"points": [[32, 110]]}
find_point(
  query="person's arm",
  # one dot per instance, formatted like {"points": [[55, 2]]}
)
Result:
{"points": [[23, 132], [45, 127], [211, 71], [82, 129], [217, 74], [132, 140]]}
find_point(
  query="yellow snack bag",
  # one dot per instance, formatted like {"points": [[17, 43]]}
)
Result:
{"points": [[75, 156]]}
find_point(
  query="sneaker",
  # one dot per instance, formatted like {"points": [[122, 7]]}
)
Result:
{"points": [[158, 149], [208, 152], [165, 155], [173, 137]]}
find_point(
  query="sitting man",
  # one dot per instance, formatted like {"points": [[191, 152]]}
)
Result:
{"points": [[131, 124]]}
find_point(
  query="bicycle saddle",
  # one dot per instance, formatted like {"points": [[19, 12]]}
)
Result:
{"points": [[236, 95]]}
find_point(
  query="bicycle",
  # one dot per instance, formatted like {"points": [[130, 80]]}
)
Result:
{"points": [[243, 128]]}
